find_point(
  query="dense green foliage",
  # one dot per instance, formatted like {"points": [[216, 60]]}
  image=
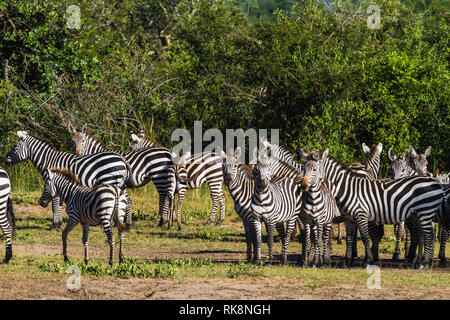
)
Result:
{"points": [[311, 69]]}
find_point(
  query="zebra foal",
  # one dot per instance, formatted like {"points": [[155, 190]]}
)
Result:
{"points": [[102, 204]]}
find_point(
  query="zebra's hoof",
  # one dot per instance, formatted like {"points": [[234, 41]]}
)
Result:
{"points": [[443, 263], [208, 222]]}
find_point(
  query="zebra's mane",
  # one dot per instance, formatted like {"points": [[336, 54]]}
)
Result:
{"points": [[67, 174], [345, 166], [96, 140], [147, 138], [286, 148]]}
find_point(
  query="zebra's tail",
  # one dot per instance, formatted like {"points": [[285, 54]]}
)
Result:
{"points": [[10, 216], [122, 226]]}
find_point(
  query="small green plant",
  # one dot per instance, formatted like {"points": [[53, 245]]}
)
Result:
{"points": [[209, 234], [51, 267], [164, 271], [243, 269], [25, 236]]}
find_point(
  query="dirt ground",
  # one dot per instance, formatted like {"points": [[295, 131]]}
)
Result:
{"points": [[53, 285]]}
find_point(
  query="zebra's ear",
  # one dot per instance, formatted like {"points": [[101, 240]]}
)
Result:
{"points": [[366, 149], [22, 135], [302, 154], [325, 154], [134, 137], [237, 152], [380, 147], [84, 128], [221, 153], [427, 151], [412, 152], [71, 128], [174, 158], [50, 174], [391, 154], [184, 159], [265, 142]]}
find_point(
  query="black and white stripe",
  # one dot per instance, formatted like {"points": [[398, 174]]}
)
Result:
{"points": [[201, 168], [100, 168], [275, 200], [318, 211], [6, 212], [102, 204], [400, 168], [149, 163], [388, 202]]}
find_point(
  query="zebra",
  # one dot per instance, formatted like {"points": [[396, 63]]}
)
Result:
{"points": [[205, 167], [369, 171], [238, 179], [401, 167], [100, 168], [275, 200], [318, 211], [7, 222], [144, 164], [102, 204], [419, 162], [385, 202]]}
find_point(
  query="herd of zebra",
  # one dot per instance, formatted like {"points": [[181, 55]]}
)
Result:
{"points": [[278, 191]]}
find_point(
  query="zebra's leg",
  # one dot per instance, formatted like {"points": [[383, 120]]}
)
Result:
{"points": [[426, 226], [339, 233], [128, 212], [215, 200], [85, 240], [443, 242], [270, 234], [248, 239], [351, 233], [327, 235], [222, 207], [399, 231], [290, 227], [180, 206], [256, 231], [362, 222], [71, 223], [317, 246], [57, 208], [305, 236], [121, 238], [415, 232], [376, 232]]}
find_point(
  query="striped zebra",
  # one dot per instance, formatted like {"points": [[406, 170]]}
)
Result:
{"points": [[145, 165], [401, 167], [101, 204], [275, 200], [7, 222], [240, 184], [319, 209], [368, 171], [100, 168], [385, 202], [419, 162], [202, 168]]}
